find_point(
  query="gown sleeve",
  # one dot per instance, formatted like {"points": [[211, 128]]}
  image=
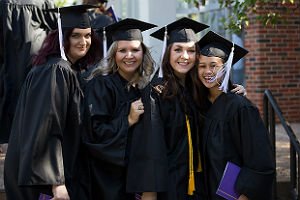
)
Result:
{"points": [[257, 172], [108, 123], [41, 121], [147, 168]]}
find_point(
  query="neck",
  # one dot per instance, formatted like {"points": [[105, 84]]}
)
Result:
{"points": [[127, 76], [214, 93], [181, 78]]}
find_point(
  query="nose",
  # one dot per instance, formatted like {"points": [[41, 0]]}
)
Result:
{"points": [[82, 41], [129, 54], [185, 54]]}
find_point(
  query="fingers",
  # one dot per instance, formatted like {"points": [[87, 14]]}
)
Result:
{"points": [[239, 89], [138, 105]]}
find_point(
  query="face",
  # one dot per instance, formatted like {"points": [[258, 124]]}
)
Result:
{"points": [[129, 57], [207, 70], [182, 57], [80, 43]]}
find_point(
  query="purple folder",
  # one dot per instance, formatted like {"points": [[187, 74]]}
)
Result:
{"points": [[44, 197], [226, 187]]}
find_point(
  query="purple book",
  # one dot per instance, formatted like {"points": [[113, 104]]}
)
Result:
{"points": [[226, 187], [44, 197]]}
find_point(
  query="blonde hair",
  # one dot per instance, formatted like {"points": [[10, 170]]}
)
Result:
{"points": [[141, 78]]}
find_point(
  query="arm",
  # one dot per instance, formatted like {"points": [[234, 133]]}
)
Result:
{"points": [[43, 108], [108, 121], [258, 166]]}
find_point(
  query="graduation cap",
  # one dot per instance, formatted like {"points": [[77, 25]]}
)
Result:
{"points": [[71, 17], [215, 45], [74, 16], [182, 30], [126, 29]]}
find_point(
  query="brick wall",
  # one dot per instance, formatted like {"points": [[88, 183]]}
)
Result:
{"points": [[273, 61]]}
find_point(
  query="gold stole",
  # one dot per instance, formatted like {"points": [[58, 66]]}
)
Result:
{"points": [[191, 185]]}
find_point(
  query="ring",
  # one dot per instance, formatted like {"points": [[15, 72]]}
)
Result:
{"points": [[140, 107]]}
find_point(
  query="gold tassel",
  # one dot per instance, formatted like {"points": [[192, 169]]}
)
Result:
{"points": [[199, 167], [191, 186]]}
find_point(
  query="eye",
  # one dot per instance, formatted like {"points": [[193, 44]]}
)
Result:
{"points": [[136, 50], [122, 50], [75, 35], [89, 35], [201, 66], [177, 50]]}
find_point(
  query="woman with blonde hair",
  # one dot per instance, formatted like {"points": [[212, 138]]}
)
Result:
{"points": [[113, 106]]}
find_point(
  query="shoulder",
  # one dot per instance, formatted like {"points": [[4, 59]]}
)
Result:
{"points": [[239, 103], [100, 84]]}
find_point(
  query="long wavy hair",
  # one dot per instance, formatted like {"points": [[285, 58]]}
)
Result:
{"points": [[142, 77], [171, 81], [50, 47]]}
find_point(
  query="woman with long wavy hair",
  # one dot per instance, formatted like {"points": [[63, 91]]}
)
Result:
{"points": [[113, 107]]}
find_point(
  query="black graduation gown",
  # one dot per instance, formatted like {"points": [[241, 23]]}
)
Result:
{"points": [[108, 134], [24, 27], [159, 157], [44, 145], [235, 132]]}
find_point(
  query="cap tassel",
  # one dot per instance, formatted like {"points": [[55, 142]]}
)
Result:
{"points": [[227, 68], [60, 37], [104, 43], [160, 74]]}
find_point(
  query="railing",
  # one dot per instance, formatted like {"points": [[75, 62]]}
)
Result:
{"points": [[271, 108]]}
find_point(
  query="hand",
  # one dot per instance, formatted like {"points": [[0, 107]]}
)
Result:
{"points": [[243, 197], [136, 109], [239, 89], [60, 192], [149, 196]]}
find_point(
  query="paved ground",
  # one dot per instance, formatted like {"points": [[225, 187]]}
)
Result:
{"points": [[282, 154], [282, 151]]}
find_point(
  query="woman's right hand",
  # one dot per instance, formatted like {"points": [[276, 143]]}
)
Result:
{"points": [[60, 192], [136, 109]]}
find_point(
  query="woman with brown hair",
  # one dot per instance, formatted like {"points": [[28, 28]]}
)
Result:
{"points": [[44, 150]]}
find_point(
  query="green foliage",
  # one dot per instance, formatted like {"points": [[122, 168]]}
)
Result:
{"points": [[60, 3], [240, 9]]}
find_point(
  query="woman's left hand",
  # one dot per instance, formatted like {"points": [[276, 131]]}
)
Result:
{"points": [[149, 196], [243, 197], [239, 89]]}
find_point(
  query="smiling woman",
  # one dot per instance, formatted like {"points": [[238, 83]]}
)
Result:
{"points": [[113, 106], [44, 153], [129, 57]]}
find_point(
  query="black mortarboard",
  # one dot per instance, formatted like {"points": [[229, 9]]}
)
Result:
{"points": [[71, 17], [74, 16], [182, 30], [127, 29], [213, 44]]}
